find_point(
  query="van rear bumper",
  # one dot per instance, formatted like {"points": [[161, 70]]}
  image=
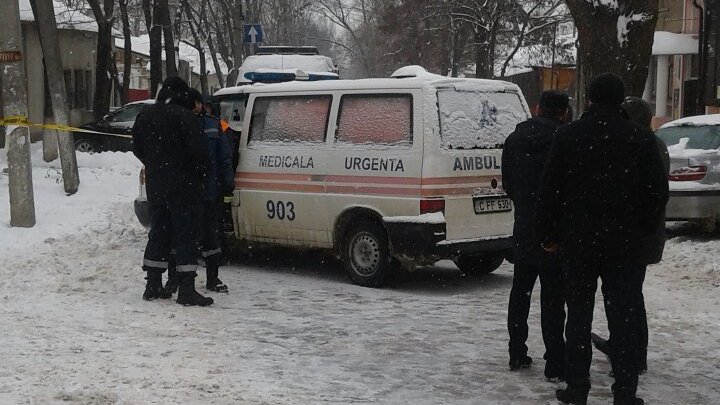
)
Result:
{"points": [[424, 243]]}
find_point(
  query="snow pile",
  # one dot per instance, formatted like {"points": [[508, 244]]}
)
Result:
{"points": [[431, 218], [105, 179], [669, 43]]}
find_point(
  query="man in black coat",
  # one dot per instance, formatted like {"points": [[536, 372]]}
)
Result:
{"points": [[602, 190], [640, 112], [524, 156], [168, 141]]}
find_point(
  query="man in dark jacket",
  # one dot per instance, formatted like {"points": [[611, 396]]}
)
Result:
{"points": [[640, 112], [602, 190], [523, 159], [219, 182], [168, 141]]}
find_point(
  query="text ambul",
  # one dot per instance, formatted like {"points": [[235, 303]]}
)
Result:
{"points": [[487, 162]]}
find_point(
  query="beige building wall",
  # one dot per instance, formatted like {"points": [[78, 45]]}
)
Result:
{"points": [[78, 55]]}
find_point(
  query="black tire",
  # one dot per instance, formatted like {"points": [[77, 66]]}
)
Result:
{"points": [[480, 264], [87, 146], [366, 254]]}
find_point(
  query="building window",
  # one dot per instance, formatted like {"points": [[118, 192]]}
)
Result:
{"points": [[69, 89]]}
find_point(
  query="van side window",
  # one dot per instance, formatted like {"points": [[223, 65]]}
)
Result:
{"points": [[478, 119], [290, 119], [382, 119]]}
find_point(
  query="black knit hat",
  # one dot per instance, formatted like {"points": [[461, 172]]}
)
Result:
{"points": [[553, 102], [607, 88], [638, 110], [195, 95]]}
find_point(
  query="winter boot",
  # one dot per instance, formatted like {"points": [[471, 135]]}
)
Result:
{"points": [[187, 295], [520, 362], [154, 288], [575, 393], [628, 401], [172, 283], [211, 268]]}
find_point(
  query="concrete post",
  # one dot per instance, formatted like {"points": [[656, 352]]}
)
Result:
{"points": [[661, 92], [47, 29], [647, 93], [22, 203]]}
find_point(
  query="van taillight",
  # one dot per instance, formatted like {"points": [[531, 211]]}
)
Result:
{"points": [[142, 176], [428, 206], [688, 173]]}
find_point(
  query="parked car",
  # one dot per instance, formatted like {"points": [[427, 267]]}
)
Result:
{"points": [[117, 122], [694, 147]]}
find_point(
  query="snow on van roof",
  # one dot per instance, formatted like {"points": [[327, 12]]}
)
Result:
{"points": [[698, 120], [460, 84]]}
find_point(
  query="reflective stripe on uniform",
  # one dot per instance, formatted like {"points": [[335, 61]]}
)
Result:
{"points": [[213, 133], [187, 268], [155, 264], [212, 252]]}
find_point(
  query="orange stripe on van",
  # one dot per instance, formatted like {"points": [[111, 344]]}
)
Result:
{"points": [[414, 181], [459, 180], [439, 192], [391, 191], [277, 176], [305, 188]]}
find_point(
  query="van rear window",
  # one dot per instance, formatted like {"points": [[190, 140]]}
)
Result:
{"points": [[477, 120], [375, 119], [290, 119]]}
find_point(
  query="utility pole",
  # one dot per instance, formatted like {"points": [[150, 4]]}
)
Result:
{"points": [[22, 203], [47, 28]]}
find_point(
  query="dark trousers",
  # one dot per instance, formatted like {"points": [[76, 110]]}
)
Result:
{"points": [[581, 275], [210, 233], [552, 313], [637, 278], [173, 226]]}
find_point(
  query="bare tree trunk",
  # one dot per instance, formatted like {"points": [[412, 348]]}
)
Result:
{"points": [[22, 202], [103, 56], [155, 31], [213, 55], [2, 108], [237, 34], [47, 27], [127, 51], [163, 18], [194, 26], [49, 136], [616, 39]]}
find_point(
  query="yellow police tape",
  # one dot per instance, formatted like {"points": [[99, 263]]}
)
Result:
{"points": [[22, 121]]}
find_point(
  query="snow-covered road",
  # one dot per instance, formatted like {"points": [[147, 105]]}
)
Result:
{"points": [[292, 330]]}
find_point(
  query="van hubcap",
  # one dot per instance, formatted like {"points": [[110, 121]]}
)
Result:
{"points": [[365, 252]]}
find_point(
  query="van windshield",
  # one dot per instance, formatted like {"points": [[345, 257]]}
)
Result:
{"points": [[477, 120]]}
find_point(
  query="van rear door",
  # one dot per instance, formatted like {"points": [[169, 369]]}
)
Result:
{"points": [[463, 164]]}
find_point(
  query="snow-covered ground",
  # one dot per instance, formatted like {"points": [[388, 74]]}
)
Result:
{"points": [[292, 330]]}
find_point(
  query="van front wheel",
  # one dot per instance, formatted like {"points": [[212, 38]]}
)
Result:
{"points": [[366, 254], [480, 264]]}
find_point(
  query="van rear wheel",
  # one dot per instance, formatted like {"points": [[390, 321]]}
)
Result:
{"points": [[366, 254], [479, 264]]}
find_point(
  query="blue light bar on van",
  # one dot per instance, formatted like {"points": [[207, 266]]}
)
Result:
{"points": [[319, 76], [274, 77]]}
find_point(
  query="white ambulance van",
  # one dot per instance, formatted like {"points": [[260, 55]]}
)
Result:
{"points": [[385, 172]]}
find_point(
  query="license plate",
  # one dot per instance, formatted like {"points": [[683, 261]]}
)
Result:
{"points": [[487, 205]]}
